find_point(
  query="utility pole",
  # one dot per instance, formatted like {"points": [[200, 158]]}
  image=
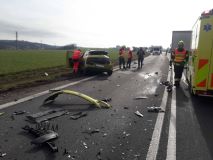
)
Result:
{"points": [[16, 40]]}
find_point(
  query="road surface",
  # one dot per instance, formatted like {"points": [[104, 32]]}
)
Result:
{"points": [[183, 131]]}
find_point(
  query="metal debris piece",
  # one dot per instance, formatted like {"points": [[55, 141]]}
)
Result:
{"points": [[1, 113], [43, 113], [19, 112], [141, 97], [46, 115], [46, 74], [90, 132], [97, 103], [3, 154], [155, 109], [105, 134], [43, 137], [118, 85], [138, 114], [85, 145], [156, 72], [78, 115]]}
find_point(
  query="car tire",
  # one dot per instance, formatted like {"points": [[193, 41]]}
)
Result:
{"points": [[109, 73]]}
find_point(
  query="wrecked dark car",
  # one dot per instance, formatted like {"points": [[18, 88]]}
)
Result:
{"points": [[96, 61]]}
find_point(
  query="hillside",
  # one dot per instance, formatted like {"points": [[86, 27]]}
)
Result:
{"points": [[11, 44]]}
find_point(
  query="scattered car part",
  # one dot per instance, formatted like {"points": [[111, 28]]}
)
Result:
{"points": [[138, 114], [78, 115], [98, 155], [3, 154], [1, 113], [50, 116], [97, 103], [155, 109], [126, 107], [90, 132], [46, 115], [44, 137], [19, 112], [141, 97]]}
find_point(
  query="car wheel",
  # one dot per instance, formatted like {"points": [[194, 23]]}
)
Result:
{"points": [[109, 73]]}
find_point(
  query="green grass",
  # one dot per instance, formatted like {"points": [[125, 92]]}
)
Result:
{"points": [[12, 61]]}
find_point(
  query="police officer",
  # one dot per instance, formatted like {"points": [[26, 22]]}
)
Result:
{"points": [[140, 55], [179, 58]]}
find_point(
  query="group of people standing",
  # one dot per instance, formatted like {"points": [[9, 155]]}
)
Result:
{"points": [[129, 54]]}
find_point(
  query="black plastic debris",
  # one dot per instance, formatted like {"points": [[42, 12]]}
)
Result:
{"points": [[107, 99], [43, 137], [98, 155], [139, 114], [155, 109], [90, 132], [78, 115], [169, 88], [156, 72], [126, 107], [19, 112], [165, 83], [168, 84]]}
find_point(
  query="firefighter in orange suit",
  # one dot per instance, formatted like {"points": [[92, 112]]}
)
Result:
{"points": [[76, 60], [179, 57], [129, 59]]}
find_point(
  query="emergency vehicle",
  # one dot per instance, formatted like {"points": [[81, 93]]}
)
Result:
{"points": [[199, 72]]}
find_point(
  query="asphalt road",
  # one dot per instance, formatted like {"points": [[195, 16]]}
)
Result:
{"points": [[122, 134]]}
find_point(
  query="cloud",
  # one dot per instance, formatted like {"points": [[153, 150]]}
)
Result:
{"points": [[10, 28]]}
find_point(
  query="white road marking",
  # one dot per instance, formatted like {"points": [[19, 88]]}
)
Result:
{"points": [[154, 144], [171, 146]]}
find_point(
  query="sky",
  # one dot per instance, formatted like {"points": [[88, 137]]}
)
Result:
{"points": [[99, 23]]}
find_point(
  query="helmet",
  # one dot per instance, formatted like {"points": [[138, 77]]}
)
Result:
{"points": [[181, 44]]}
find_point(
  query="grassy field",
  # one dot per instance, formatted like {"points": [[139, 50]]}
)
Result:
{"points": [[12, 61]]}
